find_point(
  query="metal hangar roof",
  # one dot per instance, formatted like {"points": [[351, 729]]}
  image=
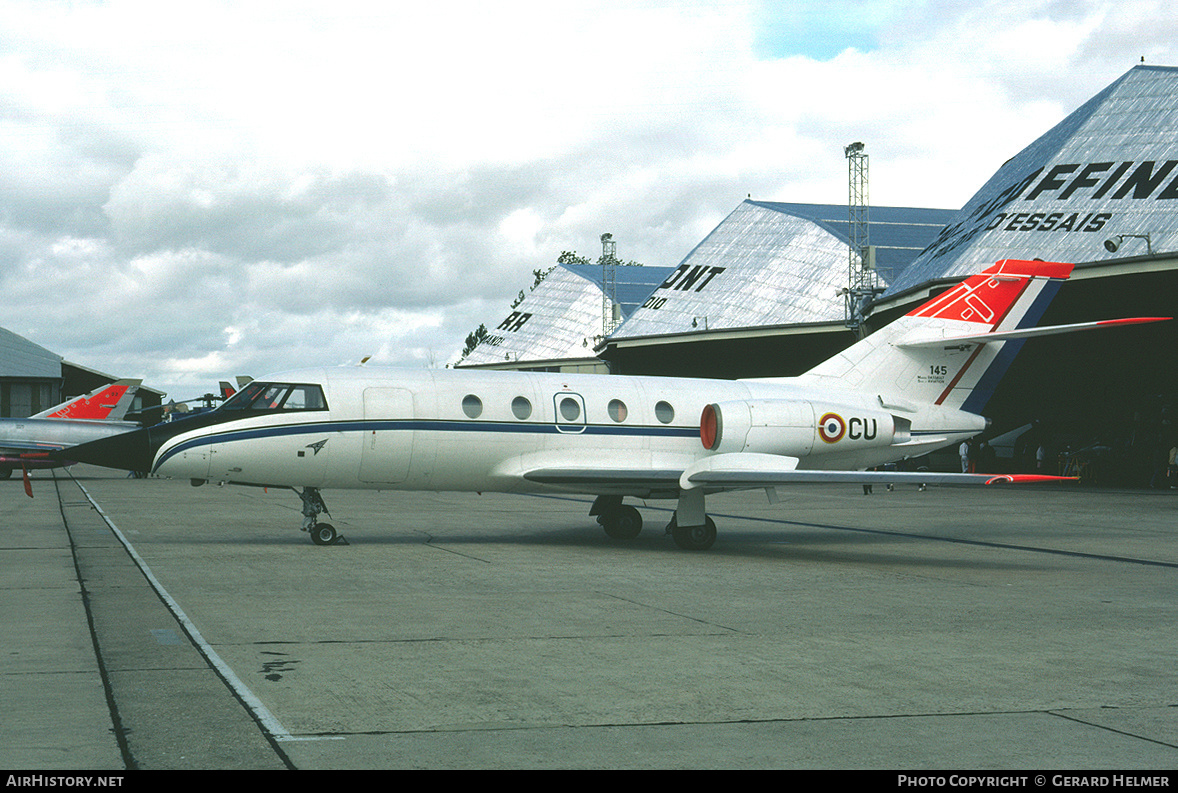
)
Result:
{"points": [[1108, 170], [21, 358], [771, 264], [562, 317]]}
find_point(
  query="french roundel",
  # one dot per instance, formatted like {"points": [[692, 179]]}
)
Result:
{"points": [[831, 428]]}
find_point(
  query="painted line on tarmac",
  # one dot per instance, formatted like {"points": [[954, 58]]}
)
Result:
{"points": [[261, 713]]}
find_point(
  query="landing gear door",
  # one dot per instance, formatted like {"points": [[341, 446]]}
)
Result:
{"points": [[387, 442]]}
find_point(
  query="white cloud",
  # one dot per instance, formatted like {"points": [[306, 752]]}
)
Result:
{"points": [[333, 181]]}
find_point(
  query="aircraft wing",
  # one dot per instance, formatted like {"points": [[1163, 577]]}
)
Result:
{"points": [[16, 448], [748, 471]]}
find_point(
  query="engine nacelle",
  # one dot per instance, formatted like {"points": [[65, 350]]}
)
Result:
{"points": [[796, 428]]}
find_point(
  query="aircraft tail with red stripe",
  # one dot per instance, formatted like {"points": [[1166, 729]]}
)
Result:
{"points": [[954, 349], [105, 403]]}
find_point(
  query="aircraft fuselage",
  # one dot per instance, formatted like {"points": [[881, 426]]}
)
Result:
{"points": [[22, 439], [484, 431]]}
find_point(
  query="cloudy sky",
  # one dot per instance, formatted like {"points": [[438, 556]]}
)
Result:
{"points": [[194, 191]]}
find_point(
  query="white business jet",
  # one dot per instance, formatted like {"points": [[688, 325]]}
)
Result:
{"points": [[915, 386]]}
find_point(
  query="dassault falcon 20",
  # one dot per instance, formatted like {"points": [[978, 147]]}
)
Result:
{"points": [[914, 386]]}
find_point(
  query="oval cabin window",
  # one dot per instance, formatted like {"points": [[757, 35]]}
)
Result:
{"points": [[664, 412], [521, 408], [472, 406], [570, 409]]}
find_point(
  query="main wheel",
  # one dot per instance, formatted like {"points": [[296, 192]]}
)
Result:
{"points": [[693, 538], [623, 523], [323, 534]]}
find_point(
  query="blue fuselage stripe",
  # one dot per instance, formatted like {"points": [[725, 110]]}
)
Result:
{"points": [[229, 435]]}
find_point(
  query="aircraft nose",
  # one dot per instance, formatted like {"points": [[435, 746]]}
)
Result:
{"points": [[136, 450], [131, 451]]}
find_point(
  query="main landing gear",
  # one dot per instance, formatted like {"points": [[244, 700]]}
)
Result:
{"points": [[623, 522], [321, 533], [693, 538], [620, 521]]}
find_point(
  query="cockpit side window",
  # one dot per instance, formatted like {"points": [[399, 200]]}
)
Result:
{"points": [[271, 398], [277, 396], [243, 398], [304, 397]]}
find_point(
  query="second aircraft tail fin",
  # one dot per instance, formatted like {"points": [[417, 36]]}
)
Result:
{"points": [[105, 403]]}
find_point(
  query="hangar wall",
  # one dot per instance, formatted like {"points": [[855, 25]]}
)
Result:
{"points": [[32, 379], [1100, 190], [30, 376]]}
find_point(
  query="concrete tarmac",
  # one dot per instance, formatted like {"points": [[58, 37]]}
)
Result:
{"points": [[149, 624]]}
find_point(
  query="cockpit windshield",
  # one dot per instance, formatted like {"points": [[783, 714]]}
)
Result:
{"points": [[277, 396]]}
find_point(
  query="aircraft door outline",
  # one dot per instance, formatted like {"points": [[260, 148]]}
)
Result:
{"points": [[569, 412], [387, 445]]}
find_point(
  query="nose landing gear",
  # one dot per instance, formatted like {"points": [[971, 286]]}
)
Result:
{"points": [[321, 533]]}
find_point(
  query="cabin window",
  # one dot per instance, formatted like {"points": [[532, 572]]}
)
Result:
{"points": [[521, 408], [617, 410], [664, 412], [472, 406], [570, 409], [277, 396]]}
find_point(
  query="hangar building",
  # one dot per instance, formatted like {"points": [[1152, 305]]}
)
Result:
{"points": [[33, 379], [30, 377], [1099, 190], [760, 295], [556, 326]]}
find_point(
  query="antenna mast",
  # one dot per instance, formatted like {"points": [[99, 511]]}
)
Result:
{"points": [[610, 312], [863, 282]]}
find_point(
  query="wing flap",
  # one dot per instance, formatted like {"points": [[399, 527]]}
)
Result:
{"points": [[613, 477]]}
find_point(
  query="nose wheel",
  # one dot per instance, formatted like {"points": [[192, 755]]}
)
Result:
{"points": [[324, 534], [313, 506]]}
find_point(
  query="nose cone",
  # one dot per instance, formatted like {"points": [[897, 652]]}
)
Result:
{"points": [[130, 451], [136, 450]]}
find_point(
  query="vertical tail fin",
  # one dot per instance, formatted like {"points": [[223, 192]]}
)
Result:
{"points": [[938, 353], [105, 403]]}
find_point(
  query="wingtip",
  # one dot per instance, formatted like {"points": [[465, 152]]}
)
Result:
{"points": [[1023, 479]]}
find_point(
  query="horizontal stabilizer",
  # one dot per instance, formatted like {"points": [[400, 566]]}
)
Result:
{"points": [[1022, 333]]}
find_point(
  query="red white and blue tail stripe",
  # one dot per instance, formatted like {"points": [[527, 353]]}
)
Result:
{"points": [[953, 350]]}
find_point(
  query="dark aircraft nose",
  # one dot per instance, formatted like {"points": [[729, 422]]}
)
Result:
{"points": [[131, 451], [135, 450]]}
